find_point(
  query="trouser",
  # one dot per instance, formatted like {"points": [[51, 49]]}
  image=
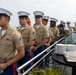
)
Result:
{"points": [[27, 57], [10, 70], [39, 50]]}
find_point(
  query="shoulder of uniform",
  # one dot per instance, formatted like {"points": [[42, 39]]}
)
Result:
{"points": [[28, 26], [34, 25], [32, 28], [11, 30], [49, 28], [56, 28], [44, 27], [15, 32]]}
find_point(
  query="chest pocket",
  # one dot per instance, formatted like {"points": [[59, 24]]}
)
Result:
{"points": [[7, 40], [25, 34], [54, 32], [40, 32]]}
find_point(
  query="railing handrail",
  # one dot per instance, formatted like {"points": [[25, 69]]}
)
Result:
{"points": [[24, 65], [37, 62]]}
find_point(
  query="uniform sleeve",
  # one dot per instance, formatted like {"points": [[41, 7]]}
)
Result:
{"points": [[58, 33], [50, 33], [18, 41], [32, 34], [46, 32]]}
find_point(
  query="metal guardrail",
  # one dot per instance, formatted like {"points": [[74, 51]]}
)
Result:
{"points": [[24, 65], [37, 62]]}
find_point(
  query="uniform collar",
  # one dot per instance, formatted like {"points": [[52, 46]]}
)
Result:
{"points": [[23, 28], [40, 26], [8, 31], [52, 27]]}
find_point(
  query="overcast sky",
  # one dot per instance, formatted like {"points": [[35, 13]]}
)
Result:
{"points": [[60, 9]]}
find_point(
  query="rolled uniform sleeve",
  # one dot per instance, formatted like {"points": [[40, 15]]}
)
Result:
{"points": [[18, 41], [50, 33], [58, 33], [46, 33], [32, 35]]}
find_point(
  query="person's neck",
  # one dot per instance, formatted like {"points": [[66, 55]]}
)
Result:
{"points": [[24, 25], [39, 23], [52, 26], [5, 27], [45, 24]]}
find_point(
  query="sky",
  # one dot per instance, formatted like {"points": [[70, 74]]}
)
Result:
{"points": [[60, 9]]}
